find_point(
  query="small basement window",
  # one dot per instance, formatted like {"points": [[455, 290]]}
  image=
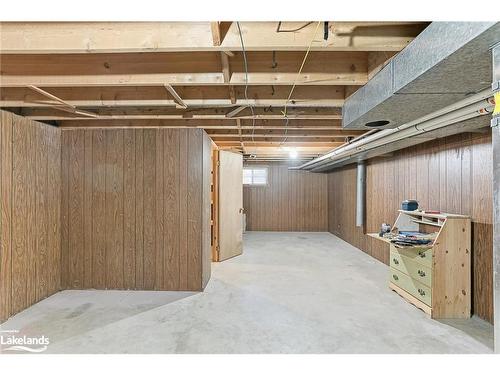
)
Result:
{"points": [[255, 176]]}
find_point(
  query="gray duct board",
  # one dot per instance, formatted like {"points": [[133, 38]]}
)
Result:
{"points": [[445, 63]]}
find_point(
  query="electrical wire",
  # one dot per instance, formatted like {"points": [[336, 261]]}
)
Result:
{"points": [[278, 29], [246, 79], [295, 82]]}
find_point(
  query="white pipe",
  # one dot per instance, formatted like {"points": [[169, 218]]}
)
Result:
{"points": [[432, 121], [323, 157], [404, 134], [413, 128]]}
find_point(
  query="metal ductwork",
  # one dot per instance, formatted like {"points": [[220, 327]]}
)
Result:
{"points": [[446, 63], [439, 85], [466, 115]]}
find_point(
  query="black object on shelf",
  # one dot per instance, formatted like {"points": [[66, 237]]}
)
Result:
{"points": [[409, 205]]}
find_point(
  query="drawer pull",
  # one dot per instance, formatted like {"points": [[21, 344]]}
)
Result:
{"points": [[421, 292], [421, 254], [395, 261], [395, 277], [421, 273]]}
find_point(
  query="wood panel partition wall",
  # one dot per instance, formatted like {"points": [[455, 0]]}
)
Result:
{"points": [[451, 174], [30, 170], [136, 209], [291, 201]]}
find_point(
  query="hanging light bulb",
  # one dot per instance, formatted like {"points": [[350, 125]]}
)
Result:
{"points": [[293, 153]]}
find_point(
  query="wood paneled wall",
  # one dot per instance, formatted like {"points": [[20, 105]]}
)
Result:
{"points": [[136, 209], [30, 170], [452, 174], [291, 201]]}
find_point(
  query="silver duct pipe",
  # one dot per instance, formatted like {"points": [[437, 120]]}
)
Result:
{"points": [[360, 194], [470, 107], [388, 141]]}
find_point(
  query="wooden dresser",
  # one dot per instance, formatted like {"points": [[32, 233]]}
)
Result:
{"points": [[436, 277]]}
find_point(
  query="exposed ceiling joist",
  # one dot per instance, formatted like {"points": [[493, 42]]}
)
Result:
{"points": [[114, 37], [136, 113], [312, 143], [59, 117], [191, 79], [281, 135], [193, 96], [207, 124], [191, 74], [200, 103]]}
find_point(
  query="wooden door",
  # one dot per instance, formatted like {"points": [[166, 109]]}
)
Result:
{"points": [[230, 205]]}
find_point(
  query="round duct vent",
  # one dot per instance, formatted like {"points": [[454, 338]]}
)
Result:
{"points": [[377, 124]]}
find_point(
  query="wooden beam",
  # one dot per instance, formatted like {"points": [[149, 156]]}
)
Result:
{"points": [[216, 37], [181, 103], [278, 151], [114, 37], [109, 93], [226, 71], [234, 112], [294, 143], [280, 134], [186, 79], [133, 113], [201, 103], [248, 141], [206, 124], [193, 96], [182, 63], [219, 30], [238, 125], [58, 117]]}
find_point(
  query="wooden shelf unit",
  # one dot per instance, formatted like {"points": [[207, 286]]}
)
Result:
{"points": [[437, 277]]}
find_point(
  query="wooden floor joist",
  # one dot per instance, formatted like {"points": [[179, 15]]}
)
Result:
{"points": [[192, 74], [113, 37], [207, 124], [189, 79]]}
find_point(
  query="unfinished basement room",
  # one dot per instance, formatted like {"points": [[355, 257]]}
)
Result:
{"points": [[250, 187]]}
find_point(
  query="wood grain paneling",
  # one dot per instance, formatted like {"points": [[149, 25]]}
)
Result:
{"points": [[451, 174], [136, 209], [291, 201], [206, 209], [30, 170]]}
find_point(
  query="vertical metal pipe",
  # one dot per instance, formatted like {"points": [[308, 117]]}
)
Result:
{"points": [[360, 194], [496, 235], [495, 123]]}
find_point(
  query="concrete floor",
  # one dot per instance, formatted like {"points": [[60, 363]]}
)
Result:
{"points": [[288, 293]]}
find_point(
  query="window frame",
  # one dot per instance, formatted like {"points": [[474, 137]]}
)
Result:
{"points": [[253, 167]]}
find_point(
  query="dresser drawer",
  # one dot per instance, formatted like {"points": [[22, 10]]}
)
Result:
{"points": [[410, 267], [420, 255], [415, 288]]}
